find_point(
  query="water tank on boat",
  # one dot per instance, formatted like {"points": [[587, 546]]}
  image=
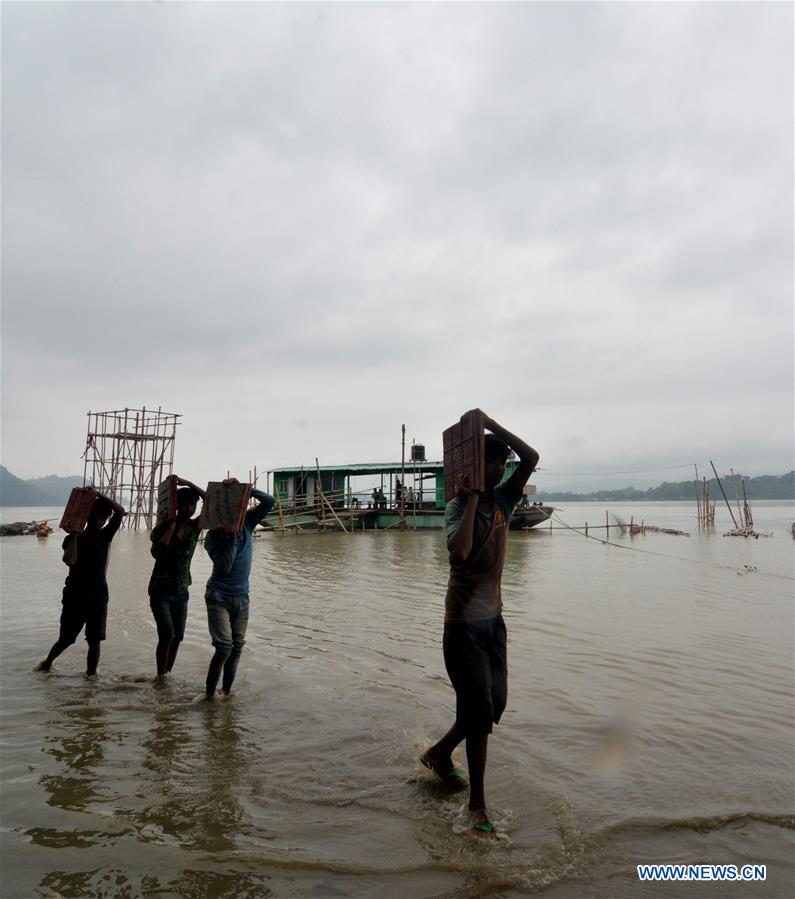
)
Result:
{"points": [[418, 452]]}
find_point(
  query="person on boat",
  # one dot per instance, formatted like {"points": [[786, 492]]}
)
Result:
{"points": [[227, 596], [173, 544], [474, 640], [85, 592]]}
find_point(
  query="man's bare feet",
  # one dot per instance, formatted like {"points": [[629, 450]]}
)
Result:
{"points": [[43, 665], [443, 768], [481, 821]]}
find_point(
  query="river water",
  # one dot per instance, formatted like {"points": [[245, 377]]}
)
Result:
{"points": [[650, 720]]}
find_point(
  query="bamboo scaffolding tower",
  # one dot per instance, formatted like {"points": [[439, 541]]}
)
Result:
{"points": [[128, 453]]}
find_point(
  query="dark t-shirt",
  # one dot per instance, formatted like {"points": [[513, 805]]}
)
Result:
{"points": [[171, 574], [474, 590], [88, 575]]}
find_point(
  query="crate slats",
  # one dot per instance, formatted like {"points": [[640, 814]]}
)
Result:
{"points": [[464, 453], [224, 506]]}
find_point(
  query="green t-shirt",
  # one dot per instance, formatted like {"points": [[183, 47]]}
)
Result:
{"points": [[474, 587], [171, 574]]}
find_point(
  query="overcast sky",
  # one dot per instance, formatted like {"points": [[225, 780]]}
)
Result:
{"points": [[302, 225]]}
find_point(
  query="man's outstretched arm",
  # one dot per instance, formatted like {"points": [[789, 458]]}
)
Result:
{"points": [[528, 457], [266, 503]]}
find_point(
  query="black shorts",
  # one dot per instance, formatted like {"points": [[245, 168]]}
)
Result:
{"points": [[476, 658], [80, 610]]}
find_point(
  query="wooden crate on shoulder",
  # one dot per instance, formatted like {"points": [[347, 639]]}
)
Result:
{"points": [[224, 506], [167, 499], [463, 445], [78, 509]]}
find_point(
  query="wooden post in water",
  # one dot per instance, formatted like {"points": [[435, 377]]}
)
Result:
{"points": [[749, 518], [728, 505], [586, 528], [281, 512], [319, 491], [698, 504], [402, 475], [736, 493], [607, 524]]}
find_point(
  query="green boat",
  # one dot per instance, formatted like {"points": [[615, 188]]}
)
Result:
{"points": [[373, 496]]}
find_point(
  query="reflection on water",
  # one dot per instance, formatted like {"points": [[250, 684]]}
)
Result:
{"points": [[650, 717], [76, 737]]}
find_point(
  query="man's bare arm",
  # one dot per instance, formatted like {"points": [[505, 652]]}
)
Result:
{"points": [[528, 457], [186, 483], [459, 544], [162, 544]]}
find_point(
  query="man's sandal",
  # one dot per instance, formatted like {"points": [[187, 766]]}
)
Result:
{"points": [[454, 779]]}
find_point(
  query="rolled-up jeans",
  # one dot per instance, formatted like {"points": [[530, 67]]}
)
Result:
{"points": [[227, 619]]}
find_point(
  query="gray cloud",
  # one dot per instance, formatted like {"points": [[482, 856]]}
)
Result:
{"points": [[578, 216]]}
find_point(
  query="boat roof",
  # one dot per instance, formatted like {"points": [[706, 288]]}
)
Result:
{"points": [[364, 468]]}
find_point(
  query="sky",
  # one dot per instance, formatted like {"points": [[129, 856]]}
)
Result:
{"points": [[303, 225]]}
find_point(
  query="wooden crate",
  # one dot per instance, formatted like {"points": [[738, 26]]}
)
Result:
{"points": [[224, 506], [78, 508], [464, 453], [167, 499]]}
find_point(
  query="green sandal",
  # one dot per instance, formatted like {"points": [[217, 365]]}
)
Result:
{"points": [[454, 779]]}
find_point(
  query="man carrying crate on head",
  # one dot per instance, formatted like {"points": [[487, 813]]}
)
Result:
{"points": [[174, 541], [475, 638], [229, 545], [85, 592]]}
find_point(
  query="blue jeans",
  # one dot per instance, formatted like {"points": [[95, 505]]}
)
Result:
{"points": [[170, 613], [227, 620]]}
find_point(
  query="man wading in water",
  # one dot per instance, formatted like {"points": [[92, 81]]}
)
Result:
{"points": [[227, 592], [173, 544], [474, 631], [85, 593]]}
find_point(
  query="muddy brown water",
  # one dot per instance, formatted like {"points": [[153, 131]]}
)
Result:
{"points": [[650, 719]]}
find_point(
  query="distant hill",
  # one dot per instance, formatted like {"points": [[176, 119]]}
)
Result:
{"points": [[49, 491], [762, 487], [56, 486]]}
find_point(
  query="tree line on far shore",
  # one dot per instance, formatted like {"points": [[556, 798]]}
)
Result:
{"points": [[54, 490], [762, 487]]}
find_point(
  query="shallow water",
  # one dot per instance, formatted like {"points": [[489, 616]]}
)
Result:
{"points": [[650, 719]]}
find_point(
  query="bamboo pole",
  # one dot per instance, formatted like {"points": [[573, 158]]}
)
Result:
{"points": [[402, 474], [89, 440], [333, 512], [414, 483], [698, 504], [281, 511], [736, 493], [319, 487], [728, 505], [749, 518], [317, 499]]}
